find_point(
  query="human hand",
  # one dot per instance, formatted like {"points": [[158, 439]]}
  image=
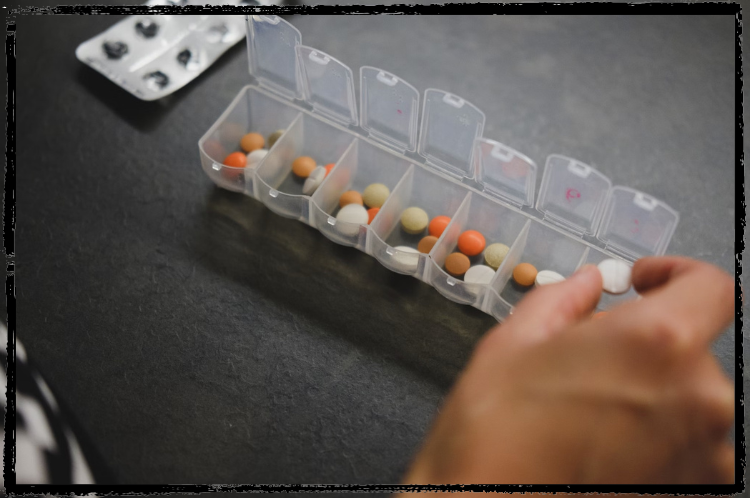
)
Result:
{"points": [[552, 396]]}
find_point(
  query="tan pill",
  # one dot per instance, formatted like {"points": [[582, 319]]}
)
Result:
{"points": [[425, 244], [414, 220], [495, 254], [303, 166], [349, 198], [252, 141], [524, 274], [375, 195], [457, 264], [274, 137]]}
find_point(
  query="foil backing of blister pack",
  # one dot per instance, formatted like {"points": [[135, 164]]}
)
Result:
{"points": [[152, 56]]}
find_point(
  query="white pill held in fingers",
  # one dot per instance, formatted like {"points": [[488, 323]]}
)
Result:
{"points": [[615, 276], [548, 277], [313, 180], [480, 275]]}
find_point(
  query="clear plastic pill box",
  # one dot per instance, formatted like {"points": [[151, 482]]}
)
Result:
{"points": [[442, 164]]}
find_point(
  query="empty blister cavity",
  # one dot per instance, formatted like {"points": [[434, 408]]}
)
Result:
{"points": [[218, 33], [156, 80], [252, 110], [115, 50], [543, 247], [418, 188], [276, 185], [189, 58], [362, 165], [497, 223], [146, 28]]}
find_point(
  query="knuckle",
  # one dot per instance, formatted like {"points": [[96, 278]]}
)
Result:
{"points": [[668, 335]]}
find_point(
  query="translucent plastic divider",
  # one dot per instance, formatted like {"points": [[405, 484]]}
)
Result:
{"points": [[503, 274], [496, 222], [419, 188], [251, 111], [275, 183], [362, 164], [608, 300], [496, 306], [543, 247]]}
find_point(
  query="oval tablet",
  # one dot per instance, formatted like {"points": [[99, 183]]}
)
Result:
{"points": [[414, 220], [615, 276], [375, 195], [303, 166], [524, 274], [236, 159], [252, 141], [350, 197], [548, 277], [313, 180], [274, 137], [471, 243], [254, 158], [426, 244], [438, 225], [404, 248], [371, 213], [353, 214], [495, 254], [457, 264], [480, 275]]}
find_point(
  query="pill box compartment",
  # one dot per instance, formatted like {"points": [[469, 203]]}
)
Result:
{"points": [[434, 194], [496, 222], [545, 248], [362, 164], [275, 183], [253, 110]]}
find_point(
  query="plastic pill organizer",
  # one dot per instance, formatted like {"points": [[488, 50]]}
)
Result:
{"points": [[447, 168]]}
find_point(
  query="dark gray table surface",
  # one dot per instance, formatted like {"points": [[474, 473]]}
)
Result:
{"points": [[200, 338]]}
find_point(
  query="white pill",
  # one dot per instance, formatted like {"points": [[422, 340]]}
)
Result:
{"points": [[407, 258], [254, 158], [615, 276], [353, 214], [480, 274], [313, 180], [404, 248], [548, 277]]}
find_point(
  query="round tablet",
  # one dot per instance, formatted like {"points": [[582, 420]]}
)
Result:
{"points": [[252, 141], [353, 213], [457, 264], [236, 159], [548, 277], [371, 213], [375, 195], [524, 274], [495, 254], [349, 197], [438, 225], [404, 248], [303, 166], [426, 244], [274, 137], [254, 158], [471, 243], [407, 258], [414, 220], [480, 275], [313, 180], [615, 276]]}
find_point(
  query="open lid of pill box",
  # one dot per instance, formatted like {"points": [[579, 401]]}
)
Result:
{"points": [[573, 195]]}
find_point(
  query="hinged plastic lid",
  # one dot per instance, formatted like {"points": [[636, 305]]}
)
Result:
{"points": [[504, 172], [271, 43], [635, 224], [389, 108], [572, 194], [328, 85], [449, 127]]}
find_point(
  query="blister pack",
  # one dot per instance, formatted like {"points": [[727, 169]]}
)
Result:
{"points": [[152, 56]]}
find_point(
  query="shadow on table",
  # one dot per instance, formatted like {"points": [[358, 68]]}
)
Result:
{"points": [[346, 291], [144, 115]]}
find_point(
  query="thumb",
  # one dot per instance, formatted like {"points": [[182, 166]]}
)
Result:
{"points": [[549, 309]]}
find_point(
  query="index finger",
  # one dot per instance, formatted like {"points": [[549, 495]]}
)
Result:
{"points": [[683, 296]]}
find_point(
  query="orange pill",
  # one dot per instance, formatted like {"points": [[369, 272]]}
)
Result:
{"points": [[329, 167], [457, 264], [471, 243], [438, 225], [599, 315], [371, 213], [252, 141], [350, 197], [426, 244], [236, 159], [524, 274], [303, 166]]}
